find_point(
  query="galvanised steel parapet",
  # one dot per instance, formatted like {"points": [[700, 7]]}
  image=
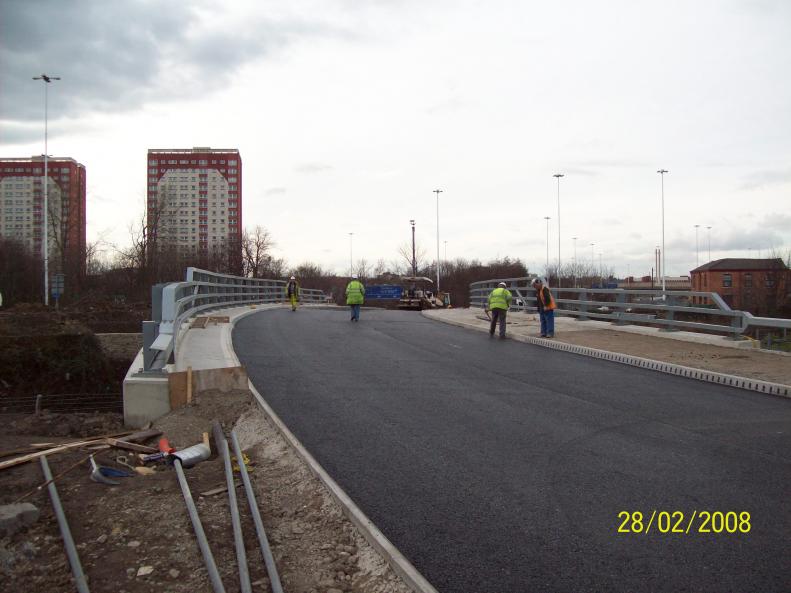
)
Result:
{"points": [[654, 307], [204, 290]]}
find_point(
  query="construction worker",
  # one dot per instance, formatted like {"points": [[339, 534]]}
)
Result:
{"points": [[498, 303], [546, 308], [355, 295], [292, 291]]}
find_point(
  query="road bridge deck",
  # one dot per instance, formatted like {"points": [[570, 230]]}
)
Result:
{"points": [[502, 466]]}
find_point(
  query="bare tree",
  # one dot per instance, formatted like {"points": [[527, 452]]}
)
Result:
{"points": [[380, 269], [20, 272], [256, 259], [135, 254], [362, 269], [307, 271], [94, 260], [405, 251]]}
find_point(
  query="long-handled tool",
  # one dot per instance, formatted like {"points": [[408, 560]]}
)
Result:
{"points": [[50, 481], [100, 473]]}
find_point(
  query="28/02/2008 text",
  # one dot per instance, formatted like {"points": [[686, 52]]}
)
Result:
{"points": [[729, 522]]}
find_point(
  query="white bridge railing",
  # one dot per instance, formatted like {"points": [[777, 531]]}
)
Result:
{"points": [[622, 306], [176, 302]]}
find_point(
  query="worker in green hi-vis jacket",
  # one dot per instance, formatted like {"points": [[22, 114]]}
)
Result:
{"points": [[355, 295], [498, 303]]}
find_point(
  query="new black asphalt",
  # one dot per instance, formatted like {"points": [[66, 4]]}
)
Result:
{"points": [[497, 466]]}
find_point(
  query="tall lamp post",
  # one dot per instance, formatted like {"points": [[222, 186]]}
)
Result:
{"points": [[575, 261], [601, 272], [437, 191], [445, 255], [708, 233], [547, 218], [414, 263], [45, 243], [351, 266], [558, 176], [697, 247], [662, 175]]}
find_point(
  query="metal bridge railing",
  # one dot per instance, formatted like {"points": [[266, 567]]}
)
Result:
{"points": [[624, 306], [176, 302]]}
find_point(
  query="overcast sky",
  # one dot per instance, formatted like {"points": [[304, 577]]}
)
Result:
{"points": [[348, 113]]}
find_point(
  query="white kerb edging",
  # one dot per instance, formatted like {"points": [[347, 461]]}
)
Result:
{"points": [[766, 387]]}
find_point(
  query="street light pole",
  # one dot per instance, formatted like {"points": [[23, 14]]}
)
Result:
{"points": [[697, 247], [547, 218], [414, 263], [708, 232], [445, 256], [351, 265], [437, 191], [45, 242], [662, 175], [558, 176], [601, 273], [575, 261]]}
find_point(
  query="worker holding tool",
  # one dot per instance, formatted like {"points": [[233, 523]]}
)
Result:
{"points": [[499, 303], [292, 291], [546, 308], [355, 296]]}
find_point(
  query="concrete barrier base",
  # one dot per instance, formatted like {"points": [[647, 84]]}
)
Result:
{"points": [[146, 397]]}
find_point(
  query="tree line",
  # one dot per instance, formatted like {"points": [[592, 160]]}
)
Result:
{"points": [[128, 272]]}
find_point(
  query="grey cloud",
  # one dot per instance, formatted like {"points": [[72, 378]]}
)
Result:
{"points": [[611, 222], [446, 106], [579, 171], [771, 231], [116, 56], [766, 178], [611, 162], [20, 133], [311, 168], [25, 132]]}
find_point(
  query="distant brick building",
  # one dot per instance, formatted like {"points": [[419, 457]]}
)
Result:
{"points": [[760, 286], [194, 205], [21, 210]]}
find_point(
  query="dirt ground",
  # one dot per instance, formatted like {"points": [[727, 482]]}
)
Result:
{"points": [[56, 353], [143, 522]]}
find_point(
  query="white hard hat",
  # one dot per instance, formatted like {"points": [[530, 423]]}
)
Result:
{"points": [[293, 278], [503, 284], [354, 276], [536, 281]]}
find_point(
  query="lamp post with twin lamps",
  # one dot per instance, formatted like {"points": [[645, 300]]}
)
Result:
{"points": [[45, 243], [662, 175]]}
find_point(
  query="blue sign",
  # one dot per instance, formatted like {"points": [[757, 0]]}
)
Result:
{"points": [[383, 291]]}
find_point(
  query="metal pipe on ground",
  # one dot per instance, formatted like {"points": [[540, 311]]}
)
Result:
{"points": [[238, 539], [266, 552], [203, 544], [71, 551]]}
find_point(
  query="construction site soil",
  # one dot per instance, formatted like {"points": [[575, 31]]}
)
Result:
{"points": [[137, 536], [57, 352]]}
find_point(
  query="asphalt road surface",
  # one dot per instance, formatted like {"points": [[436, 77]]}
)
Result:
{"points": [[498, 467]]}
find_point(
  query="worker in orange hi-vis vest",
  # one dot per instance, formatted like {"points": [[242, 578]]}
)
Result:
{"points": [[546, 308]]}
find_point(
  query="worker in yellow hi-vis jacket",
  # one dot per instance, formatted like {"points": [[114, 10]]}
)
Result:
{"points": [[292, 291], [355, 295], [499, 303]]}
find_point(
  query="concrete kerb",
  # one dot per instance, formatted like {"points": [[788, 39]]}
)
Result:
{"points": [[397, 561], [766, 387]]}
